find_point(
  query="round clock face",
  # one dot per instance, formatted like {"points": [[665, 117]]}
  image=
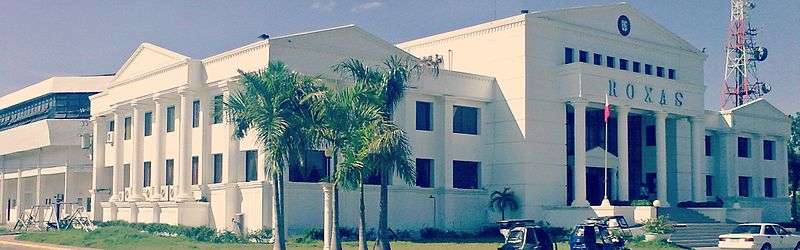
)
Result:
{"points": [[624, 25]]}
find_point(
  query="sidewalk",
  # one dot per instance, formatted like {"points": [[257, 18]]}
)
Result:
{"points": [[8, 242]]}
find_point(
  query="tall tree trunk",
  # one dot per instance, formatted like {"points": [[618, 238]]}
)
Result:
{"points": [[277, 207], [362, 223], [336, 244], [383, 224], [795, 174]]}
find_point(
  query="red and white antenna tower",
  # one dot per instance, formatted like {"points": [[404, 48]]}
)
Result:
{"points": [[741, 83]]}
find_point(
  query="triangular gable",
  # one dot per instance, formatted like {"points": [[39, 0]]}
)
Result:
{"points": [[147, 57], [343, 38], [758, 107], [604, 18], [594, 158]]}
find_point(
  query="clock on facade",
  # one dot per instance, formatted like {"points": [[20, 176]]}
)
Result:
{"points": [[624, 25]]}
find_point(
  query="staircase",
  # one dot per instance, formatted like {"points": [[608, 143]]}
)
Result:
{"points": [[693, 229]]}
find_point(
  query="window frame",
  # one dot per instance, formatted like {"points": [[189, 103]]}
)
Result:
{"points": [[169, 172], [429, 173], [457, 180], [637, 67], [147, 174], [195, 170], [459, 118], [611, 62], [127, 123], [569, 55], [747, 152], [216, 117], [745, 190], [250, 165], [217, 167], [148, 123], [597, 59], [768, 153], [623, 64], [170, 113], [583, 56], [429, 107], [195, 113]]}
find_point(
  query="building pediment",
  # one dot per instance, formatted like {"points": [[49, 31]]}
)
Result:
{"points": [[759, 108], [607, 18], [146, 58], [595, 158]]}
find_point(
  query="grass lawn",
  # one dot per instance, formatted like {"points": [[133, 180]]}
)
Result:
{"points": [[128, 238]]}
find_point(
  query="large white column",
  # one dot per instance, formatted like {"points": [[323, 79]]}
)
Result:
{"points": [[3, 196], [117, 185], [661, 157], [206, 168], [39, 185], [66, 184], [622, 151], [137, 136], [19, 193], [698, 158], [185, 148], [98, 161], [232, 171], [579, 172], [157, 165]]}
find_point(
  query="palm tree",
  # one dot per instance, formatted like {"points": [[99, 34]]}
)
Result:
{"points": [[502, 201], [270, 105]]}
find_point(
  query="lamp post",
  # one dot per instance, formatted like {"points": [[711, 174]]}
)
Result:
{"points": [[434, 210]]}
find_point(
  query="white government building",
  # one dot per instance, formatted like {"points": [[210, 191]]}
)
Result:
{"points": [[518, 103]]}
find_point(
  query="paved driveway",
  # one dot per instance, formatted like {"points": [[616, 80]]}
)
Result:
{"points": [[8, 242]]}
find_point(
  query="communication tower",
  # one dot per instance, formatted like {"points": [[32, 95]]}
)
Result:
{"points": [[741, 84]]}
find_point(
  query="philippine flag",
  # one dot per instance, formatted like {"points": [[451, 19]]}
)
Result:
{"points": [[606, 110]]}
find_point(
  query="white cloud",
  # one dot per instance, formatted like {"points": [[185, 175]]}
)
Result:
{"points": [[326, 5], [367, 6]]}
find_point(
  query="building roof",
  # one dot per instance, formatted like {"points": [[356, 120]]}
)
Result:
{"points": [[59, 84]]}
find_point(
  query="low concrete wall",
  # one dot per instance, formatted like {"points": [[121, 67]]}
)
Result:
{"points": [[717, 214], [642, 213], [744, 215], [626, 211]]}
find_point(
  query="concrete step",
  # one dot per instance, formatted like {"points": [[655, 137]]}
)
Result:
{"points": [[699, 235]]}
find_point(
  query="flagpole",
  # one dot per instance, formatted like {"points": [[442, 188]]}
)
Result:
{"points": [[606, 115]]}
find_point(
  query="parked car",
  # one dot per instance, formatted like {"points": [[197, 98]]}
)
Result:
{"points": [[592, 235], [524, 235], [764, 236]]}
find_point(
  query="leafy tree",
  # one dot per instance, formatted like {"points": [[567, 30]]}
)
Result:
{"points": [[503, 200], [270, 105], [793, 149]]}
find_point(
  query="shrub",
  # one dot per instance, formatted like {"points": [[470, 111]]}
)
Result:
{"points": [[313, 234], [227, 237], [430, 233], [641, 203], [658, 225], [202, 233], [263, 235]]}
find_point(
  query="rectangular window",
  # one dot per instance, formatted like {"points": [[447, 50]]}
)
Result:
{"points": [[88, 204], [465, 120], [424, 173], [217, 168], [111, 126], [769, 187], [195, 169], [648, 69], [250, 165], [127, 123], [709, 185], [671, 74], [623, 64], [744, 186], [569, 55], [466, 174], [170, 119], [611, 61], [598, 59], [744, 147], [769, 150], [373, 179], [217, 109], [583, 56], [169, 172], [424, 116], [148, 123], [660, 71], [147, 174], [650, 136], [315, 169], [637, 67], [708, 145], [196, 113]]}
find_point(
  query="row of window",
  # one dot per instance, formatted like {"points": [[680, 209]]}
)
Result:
{"points": [[465, 119], [744, 148], [50, 106], [770, 185], [216, 118], [612, 62]]}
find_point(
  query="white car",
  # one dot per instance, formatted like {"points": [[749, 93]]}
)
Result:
{"points": [[764, 236]]}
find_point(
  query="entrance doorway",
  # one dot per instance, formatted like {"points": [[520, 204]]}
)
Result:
{"points": [[594, 185]]}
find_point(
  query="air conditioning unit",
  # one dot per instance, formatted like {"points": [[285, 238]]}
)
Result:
{"points": [[110, 138], [86, 141]]}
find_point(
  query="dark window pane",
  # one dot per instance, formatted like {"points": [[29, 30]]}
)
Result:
{"points": [[623, 64], [744, 147], [314, 170], [660, 71], [769, 150], [671, 74], [374, 178], [744, 186], [769, 187], [466, 174], [648, 69], [610, 61], [148, 123], [424, 173], [147, 174], [169, 172], [111, 126], [598, 59], [637, 67], [424, 116], [217, 109], [195, 114], [465, 120], [650, 136], [195, 167], [170, 118], [251, 165], [583, 56], [217, 168], [708, 145], [709, 185], [569, 55], [127, 123]]}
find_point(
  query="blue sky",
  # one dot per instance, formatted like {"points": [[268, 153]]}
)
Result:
{"points": [[39, 39]]}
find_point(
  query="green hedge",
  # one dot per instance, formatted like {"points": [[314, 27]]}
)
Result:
{"points": [[202, 233]]}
